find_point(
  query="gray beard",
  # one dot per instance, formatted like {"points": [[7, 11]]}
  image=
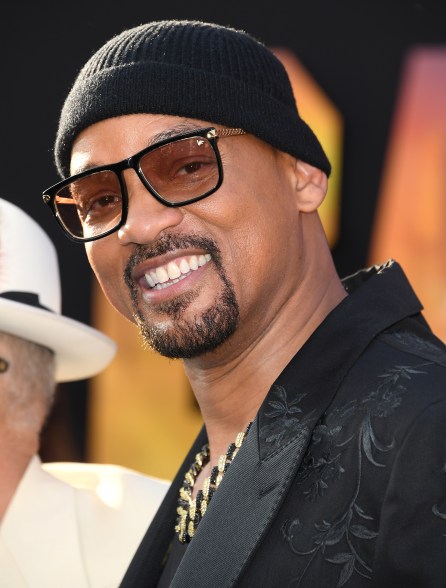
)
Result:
{"points": [[193, 337]]}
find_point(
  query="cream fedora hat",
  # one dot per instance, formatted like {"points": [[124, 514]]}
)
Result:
{"points": [[30, 299]]}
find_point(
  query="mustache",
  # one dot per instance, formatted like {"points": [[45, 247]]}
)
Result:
{"points": [[167, 244]]}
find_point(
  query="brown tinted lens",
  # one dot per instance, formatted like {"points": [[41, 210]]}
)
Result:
{"points": [[90, 206], [181, 170]]}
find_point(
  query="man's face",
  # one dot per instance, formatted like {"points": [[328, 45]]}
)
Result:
{"points": [[27, 385], [210, 273]]}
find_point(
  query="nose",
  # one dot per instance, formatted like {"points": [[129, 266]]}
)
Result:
{"points": [[147, 218]]}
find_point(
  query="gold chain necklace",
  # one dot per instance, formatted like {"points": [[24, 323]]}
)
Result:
{"points": [[191, 510]]}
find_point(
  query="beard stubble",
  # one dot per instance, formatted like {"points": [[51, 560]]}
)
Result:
{"points": [[180, 337]]}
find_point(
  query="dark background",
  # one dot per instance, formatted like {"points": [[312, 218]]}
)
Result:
{"points": [[354, 49]]}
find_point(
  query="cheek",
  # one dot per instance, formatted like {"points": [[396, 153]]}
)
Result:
{"points": [[106, 265], [256, 231], [262, 248], [263, 218]]}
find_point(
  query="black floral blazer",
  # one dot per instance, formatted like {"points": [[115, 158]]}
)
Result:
{"points": [[342, 479]]}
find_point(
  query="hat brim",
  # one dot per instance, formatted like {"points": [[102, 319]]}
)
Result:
{"points": [[80, 350]]}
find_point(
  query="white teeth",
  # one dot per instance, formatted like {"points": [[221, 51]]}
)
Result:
{"points": [[173, 270], [150, 281], [157, 278], [162, 275], [184, 267]]}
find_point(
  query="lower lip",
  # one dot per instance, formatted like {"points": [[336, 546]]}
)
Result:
{"points": [[154, 295]]}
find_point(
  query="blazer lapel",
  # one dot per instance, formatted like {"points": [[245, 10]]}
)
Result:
{"points": [[247, 499], [10, 572], [42, 510]]}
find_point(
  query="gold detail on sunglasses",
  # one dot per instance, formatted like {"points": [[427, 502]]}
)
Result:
{"points": [[213, 133]]}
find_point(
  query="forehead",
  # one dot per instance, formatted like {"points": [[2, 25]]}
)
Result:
{"points": [[6, 340], [116, 138], [11, 345]]}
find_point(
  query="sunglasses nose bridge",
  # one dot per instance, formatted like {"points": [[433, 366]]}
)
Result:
{"points": [[131, 163]]}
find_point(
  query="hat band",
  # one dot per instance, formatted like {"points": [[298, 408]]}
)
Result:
{"points": [[29, 298]]}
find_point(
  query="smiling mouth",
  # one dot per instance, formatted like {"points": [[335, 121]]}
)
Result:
{"points": [[164, 276]]}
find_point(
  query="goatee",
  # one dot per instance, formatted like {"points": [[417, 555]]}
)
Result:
{"points": [[185, 337]]}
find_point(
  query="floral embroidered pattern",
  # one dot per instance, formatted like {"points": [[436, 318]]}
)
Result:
{"points": [[287, 423], [337, 540], [406, 340], [325, 466]]}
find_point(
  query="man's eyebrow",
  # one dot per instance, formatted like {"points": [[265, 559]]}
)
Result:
{"points": [[172, 132], [161, 136]]}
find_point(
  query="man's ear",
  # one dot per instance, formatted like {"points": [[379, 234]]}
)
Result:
{"points": [[311, 186]]}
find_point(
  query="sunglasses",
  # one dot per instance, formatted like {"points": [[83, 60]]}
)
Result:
{"points": [[176, 171]]}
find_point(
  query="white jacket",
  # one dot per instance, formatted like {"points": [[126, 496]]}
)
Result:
{"points": [[75, 525]]}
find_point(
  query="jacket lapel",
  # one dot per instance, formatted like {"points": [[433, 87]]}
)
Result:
{"points": [[42, 509], [246, 500]]}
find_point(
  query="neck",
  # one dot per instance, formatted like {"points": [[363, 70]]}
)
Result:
{"points": [[231, 383], [16, 451]]}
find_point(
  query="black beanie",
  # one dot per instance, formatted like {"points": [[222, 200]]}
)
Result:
{"points": [[189, 69]]}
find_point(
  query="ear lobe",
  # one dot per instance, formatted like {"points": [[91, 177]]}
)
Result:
{"points": [[311, 186]]}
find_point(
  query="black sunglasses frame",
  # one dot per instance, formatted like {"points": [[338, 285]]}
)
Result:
{"points": [[211, 134]]}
